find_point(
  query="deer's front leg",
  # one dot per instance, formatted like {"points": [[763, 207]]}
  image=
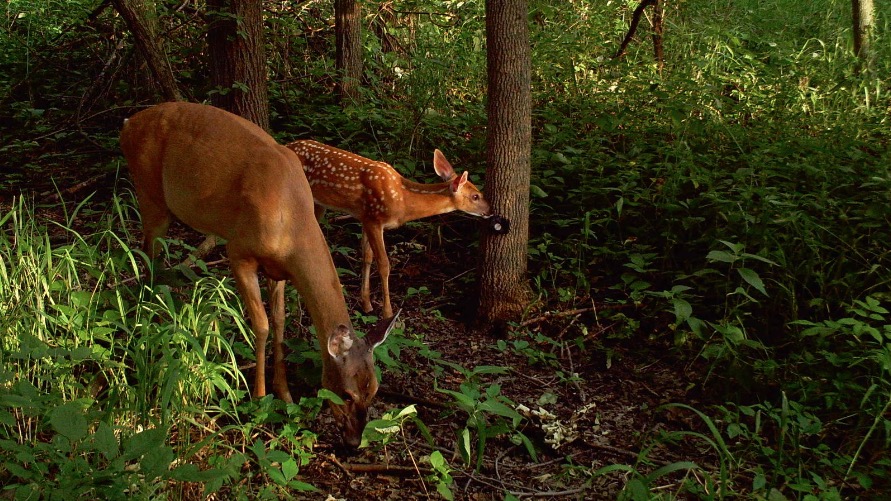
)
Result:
{"points": [[245, 273]]}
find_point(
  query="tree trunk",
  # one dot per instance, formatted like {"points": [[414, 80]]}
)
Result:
{"points": [[348, 40], [238, 59], [139, 16], [864, 19], [658, 29], [504, 289]]}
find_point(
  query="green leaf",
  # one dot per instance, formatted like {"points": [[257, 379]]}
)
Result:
{"points": [[191, 473], [290, 468], [735, 248], [276, 475], [156, 461], [759, 258], [278, 456], [489, 369], [464, 445], [538, 192], [330, 395], [142, 442], [436, 460], [68, 420], [297, 485], [444, 491], [498, 409], [530, 447], [409, 411], [682, 310], [751, 277], [6, 418], [105, 442], [466, 403], [759, 482], [671, 468], [721, 256]]}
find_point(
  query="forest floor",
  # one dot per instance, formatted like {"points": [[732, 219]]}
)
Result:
{"points": [[609, 414]]}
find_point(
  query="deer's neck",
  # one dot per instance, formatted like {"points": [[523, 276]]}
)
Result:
{"points": [[422, 200], [319, 286]]}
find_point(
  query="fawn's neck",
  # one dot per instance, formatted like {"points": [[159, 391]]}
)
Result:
{"points": [[422, 200]]}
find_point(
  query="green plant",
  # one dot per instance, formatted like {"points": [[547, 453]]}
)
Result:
{"points": [[489, 414], [84, 360], [441, 475], [72, 451]]}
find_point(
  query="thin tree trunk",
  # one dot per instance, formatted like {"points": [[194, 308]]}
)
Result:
{"points": [[863, 12], [140, 19], [658, 26], [238, 58], [504, 289], [632, 29], [348, 42]]}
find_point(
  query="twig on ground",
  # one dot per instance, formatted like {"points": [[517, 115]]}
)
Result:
{"points": [[383, 469], [395, 395], [549, 494], [134, 278], [614, 450], [333, 459], [551, 314], [52, 196]]}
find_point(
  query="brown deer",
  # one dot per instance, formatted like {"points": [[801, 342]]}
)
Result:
{"points": [[379, 197], [225, 176]]}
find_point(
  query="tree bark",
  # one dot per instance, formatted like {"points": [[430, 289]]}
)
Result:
{"points": [[238, 59], [139, 16], [635, 21], [863, 12], [348, 41], [658, 29], [504, 289]]}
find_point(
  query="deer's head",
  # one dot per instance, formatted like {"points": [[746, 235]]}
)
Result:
{"points": [[349, 373]]}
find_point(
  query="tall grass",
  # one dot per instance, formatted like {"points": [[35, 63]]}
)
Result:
{"points": [[108, 383]]}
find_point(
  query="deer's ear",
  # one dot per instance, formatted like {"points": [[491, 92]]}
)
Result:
{"points": [[458, 182], [340, 341], [442, 166], [380, 331]]}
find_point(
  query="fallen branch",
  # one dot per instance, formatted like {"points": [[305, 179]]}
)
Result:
{"points": [[201, 251], [187, 263], [615, 450], [557, 314], [52, 196], [554, 494], [395, 395], [384, 469]]}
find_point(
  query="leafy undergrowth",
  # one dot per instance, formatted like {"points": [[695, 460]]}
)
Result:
{"points": [[119, 387], [116, 387]]}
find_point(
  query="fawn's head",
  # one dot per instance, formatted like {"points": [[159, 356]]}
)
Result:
{"points": [[467, 197]]}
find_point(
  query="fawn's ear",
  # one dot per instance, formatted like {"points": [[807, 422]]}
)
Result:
{"points": [[442, 166], [458, 182]]}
